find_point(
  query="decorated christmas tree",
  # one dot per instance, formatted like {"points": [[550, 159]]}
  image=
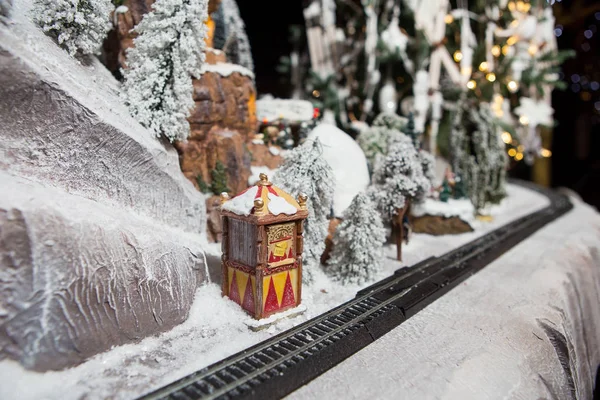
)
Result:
{"points": [[358, 243], [168, 52], [373, 57], [305, 171]]}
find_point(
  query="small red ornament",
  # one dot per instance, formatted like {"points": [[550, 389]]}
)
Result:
{"points": [[316, 112]]}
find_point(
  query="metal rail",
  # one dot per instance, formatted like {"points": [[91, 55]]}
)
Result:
{"points": [[283, 363]]}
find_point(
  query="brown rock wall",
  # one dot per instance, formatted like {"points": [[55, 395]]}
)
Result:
{"points": [[199, 158], [226, 101]]}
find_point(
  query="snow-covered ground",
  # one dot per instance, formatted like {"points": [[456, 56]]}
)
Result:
{"points": [[525, 327], [215, 328]]}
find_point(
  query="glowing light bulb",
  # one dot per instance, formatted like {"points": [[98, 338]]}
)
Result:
{"points": [[505, 50], [391, 105], [524, 120], [491, 77], [523, 7], [532, 50], [545, 153], [458, 55], [496, 51], [483, 66], [519, 156], [520, 148], [448, 19], [506, 137], [512, 6], [512, 86], [471, 84], [511, 40], [512, 152]]}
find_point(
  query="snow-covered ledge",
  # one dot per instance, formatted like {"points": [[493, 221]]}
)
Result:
{"points": [[461, 208], [226, 69]]}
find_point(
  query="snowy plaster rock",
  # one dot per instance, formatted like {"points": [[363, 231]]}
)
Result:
{"points": [[99, 229], [348, 162]]}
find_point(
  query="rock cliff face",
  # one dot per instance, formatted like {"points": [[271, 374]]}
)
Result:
{"points": [[100, 239], [199, 158], [224, 98]]}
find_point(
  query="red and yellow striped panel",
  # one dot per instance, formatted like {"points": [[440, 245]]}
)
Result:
{"points": [[280, 291]]}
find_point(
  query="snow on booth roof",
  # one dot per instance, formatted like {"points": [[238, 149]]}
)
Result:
{"points": [[254, 199]]}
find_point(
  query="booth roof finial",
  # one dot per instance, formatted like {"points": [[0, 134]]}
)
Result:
{"points": [[264, 180]]}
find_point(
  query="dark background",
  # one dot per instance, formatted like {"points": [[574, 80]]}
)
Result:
{"points": [[576, 138]]}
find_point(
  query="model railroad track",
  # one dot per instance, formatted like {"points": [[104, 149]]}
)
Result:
{"points": [[285, 362]]}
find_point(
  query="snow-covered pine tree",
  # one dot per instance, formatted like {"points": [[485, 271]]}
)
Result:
{"points": [[428, 165], [378, 138], [399, 178], [304, 170], [220, 33], [236, 44], [398, 182], [168, 52], [391, 121], [79, 26], [358, 243], [478, 156]]}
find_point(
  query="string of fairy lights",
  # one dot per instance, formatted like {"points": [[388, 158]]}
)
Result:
{"points": [[494, 83]]}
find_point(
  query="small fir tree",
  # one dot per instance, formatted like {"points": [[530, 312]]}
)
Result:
{"points": [[410, 131], [358, 243], [202, 185], [446, 191], [168, 52], [79, 26], [304, 170], [219, 179]]}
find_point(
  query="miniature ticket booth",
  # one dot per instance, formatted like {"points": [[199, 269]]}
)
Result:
{"points": [[262, 248]]}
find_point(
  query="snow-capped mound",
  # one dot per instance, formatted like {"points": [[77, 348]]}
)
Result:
{"points": [[347, 161]]}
